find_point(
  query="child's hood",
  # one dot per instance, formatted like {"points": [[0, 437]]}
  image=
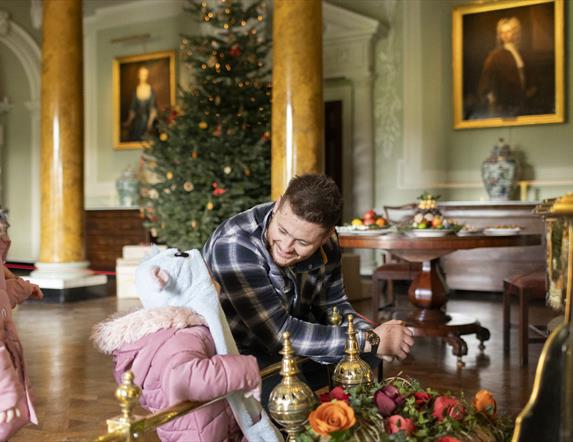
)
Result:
{"points": [[122, 328]]}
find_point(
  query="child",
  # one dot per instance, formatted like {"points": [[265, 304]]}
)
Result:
{"points": [[178, 348], [16, 408]]}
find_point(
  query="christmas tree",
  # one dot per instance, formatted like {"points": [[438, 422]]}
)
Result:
{"points": [[211, 158]]}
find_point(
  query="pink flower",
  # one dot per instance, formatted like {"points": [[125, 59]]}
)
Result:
{"points": [[398, 423], [337, 393], [387, 399], [448, 439], [422, 397], [448, 406]]}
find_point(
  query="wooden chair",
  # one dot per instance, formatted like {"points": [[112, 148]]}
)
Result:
{"points": [[526, 287], [395, 269]]}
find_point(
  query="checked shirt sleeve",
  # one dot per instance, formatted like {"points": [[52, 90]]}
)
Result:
{"points": [[243, 275]]}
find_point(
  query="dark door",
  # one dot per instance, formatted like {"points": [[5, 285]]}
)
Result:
{"points": [[333, 141]]}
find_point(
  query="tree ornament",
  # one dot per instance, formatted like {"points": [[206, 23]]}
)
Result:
{"points": [[193, 224], [163, 136], [227, 170], [203, 125], [194, 154], [188, 186], [167, 190], [218, 131], [235, 50], [169, 175], [153, 194], [210, 205]]}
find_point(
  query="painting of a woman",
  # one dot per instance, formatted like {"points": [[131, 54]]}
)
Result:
{"points": [[144, 88], [143, 109]]}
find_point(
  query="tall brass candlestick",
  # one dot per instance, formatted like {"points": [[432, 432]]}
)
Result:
{"points": [[292, 400], [352, 370]]}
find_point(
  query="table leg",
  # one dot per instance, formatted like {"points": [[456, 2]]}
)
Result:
{"points": [[428, 292]]}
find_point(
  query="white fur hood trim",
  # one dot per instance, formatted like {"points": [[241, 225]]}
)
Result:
{"points": [[121, 328]]}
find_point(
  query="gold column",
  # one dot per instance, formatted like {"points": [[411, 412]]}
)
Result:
{"points": [[62, 132], [298, 107]]}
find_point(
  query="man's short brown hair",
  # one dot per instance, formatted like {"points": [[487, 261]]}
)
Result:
{"points": [[315, 198]]}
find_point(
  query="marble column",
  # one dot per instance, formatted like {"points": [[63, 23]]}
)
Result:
{"points": [[62, 251], [298, 107]]}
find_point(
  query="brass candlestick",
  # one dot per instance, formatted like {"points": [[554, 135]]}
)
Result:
{"points": [[352, 370], [334, 316], [292, 400]]}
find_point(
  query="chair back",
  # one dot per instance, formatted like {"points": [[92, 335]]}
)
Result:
{"points": [[400, 214]]}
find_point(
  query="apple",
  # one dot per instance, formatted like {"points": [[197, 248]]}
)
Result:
{"points": [[371, 214], [369, 221], [380, 222]]}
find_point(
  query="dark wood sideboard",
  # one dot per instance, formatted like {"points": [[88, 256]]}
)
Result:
{"points": [[485, 269], [108, 230]]}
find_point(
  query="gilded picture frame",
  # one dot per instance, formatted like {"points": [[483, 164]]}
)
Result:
{"points": [[508, 63], [143, 87]]}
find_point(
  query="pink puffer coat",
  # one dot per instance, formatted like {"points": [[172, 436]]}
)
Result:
{"points": [[172, 356], [14, 382]]}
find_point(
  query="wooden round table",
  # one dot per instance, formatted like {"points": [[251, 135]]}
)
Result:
{"points": [[428, 291]]}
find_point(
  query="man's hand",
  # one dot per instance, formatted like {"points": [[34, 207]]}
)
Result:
{"points": [[395, 339], [6, 416]]}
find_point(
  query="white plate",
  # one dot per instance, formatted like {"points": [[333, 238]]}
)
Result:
{"points": [[428, 233], [470, 232], [494, 231], [350, 230]]}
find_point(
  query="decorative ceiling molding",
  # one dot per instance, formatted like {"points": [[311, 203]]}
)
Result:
{"points": [[347, 42]]}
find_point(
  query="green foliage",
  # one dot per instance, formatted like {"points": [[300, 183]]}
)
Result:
{"points": [[211, 158]]}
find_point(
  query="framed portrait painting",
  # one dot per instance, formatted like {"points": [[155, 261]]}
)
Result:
{"points": [[143, 87], [508, 63]]}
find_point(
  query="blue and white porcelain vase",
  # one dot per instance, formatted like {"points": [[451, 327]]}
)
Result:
{"points": [[499, 173], [127, 186]]}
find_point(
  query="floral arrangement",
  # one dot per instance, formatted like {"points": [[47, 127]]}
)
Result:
{"points": [[401, 410]]}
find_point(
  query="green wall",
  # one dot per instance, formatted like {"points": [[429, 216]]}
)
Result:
{"points": [[456, 154]]}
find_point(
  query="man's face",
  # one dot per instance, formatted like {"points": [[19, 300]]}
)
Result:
{"points": [[291, 239], [507, 33]]}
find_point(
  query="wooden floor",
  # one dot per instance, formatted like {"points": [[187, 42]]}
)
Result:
{"points": [[74, 388]]}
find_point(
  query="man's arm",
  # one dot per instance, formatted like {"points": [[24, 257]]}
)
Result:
{"points": [[243, 276]]}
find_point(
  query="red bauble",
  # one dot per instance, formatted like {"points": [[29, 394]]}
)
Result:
{"points": [[235, 51]]}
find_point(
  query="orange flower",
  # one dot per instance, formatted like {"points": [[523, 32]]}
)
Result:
{"points": [[484, 401], [332, 416]]}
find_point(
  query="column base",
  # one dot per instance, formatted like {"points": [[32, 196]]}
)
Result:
{"points": [[68, 282]]}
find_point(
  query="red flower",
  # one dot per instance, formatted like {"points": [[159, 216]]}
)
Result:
{"points": [[448, 406], [398, 423], [387, 399], [337, 393], [422, 397], [448, 439]]}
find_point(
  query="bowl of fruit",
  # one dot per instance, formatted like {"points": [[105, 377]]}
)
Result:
{"points": [[428, 221], [371, 223]]}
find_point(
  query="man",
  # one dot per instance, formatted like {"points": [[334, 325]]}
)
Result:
{"points": [[278, 265], [504, 84]]}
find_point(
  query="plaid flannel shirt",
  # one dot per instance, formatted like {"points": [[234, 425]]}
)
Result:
{"points": [[262, 300]]}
